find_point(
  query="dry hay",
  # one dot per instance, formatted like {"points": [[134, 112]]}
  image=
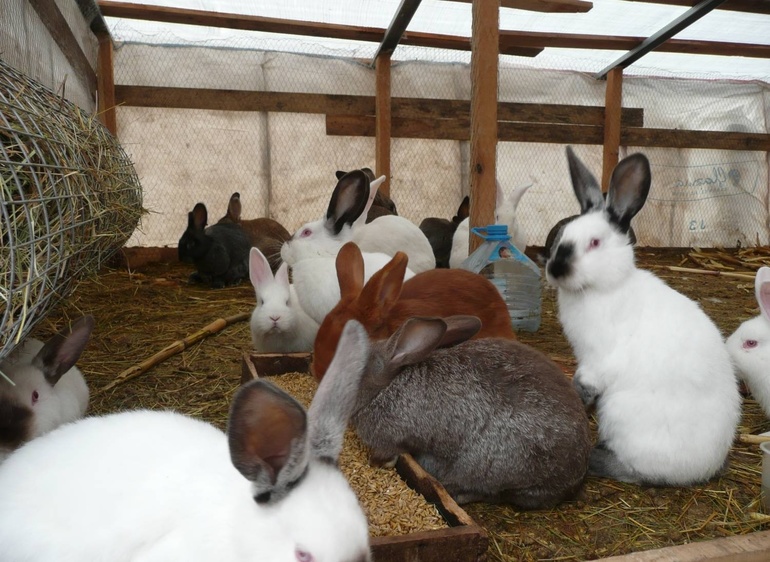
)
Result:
{"points": [[138, 314], [69, 199]]}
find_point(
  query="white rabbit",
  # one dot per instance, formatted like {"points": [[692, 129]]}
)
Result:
{"points": [[278, 323], [749, 345], [49, 389], [311, 252], [505, 213], [651, 360], [160, 486]]}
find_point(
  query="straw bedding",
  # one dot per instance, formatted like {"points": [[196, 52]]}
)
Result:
{"points": [[139, 313]]}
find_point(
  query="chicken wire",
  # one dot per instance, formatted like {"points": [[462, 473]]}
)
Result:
{"points": [[283, 164], [70, 199]]}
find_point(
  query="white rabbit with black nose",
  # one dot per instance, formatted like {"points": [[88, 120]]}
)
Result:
{"points": [[48, 390], [749, 345], [651, 360], [159, 486]]}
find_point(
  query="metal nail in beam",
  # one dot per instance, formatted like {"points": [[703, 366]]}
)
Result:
{"points": [[397, 27], [690, 16]]}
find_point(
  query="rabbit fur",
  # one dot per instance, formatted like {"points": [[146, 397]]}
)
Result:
{"points": [[440, 232], [381, 205], [220, 252], [264, 233], [492, 419], [158, 486], [384, 302], [505, 213], [749, 345], [278, 323], [312, 250], [49, 389], [649, 358]]}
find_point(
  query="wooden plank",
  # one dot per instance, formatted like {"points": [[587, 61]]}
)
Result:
{"points": [[613, 99], [537, 39], [466, 544], [60, 32], [106, 84], [458, 129], [236, 100], [752, 6], [383, 121], [483, 117], [550, 6], [285, 26], [754, 547]]}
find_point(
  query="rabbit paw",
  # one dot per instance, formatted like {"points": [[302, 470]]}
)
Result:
{"points": [[588, 394]]}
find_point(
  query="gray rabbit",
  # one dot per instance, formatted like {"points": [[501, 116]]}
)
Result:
{"points": [[492, 419]]}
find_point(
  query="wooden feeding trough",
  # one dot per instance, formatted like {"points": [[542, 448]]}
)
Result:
{"points": [[461, 540]]}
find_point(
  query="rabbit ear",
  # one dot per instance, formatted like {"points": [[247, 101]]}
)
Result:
{"points": [[384, 287], [518, 193], [267, 434], [499, 195], [369, 173], [199, 217], [414, 341], [459, 328], [629, 186], [584, 184], [282, 275], [60, 353], [373, 187], [463, 211], [335, 398], [339, 174], [234, 207], [348, 201], [350, 270], [762, 290], [259, 269]]}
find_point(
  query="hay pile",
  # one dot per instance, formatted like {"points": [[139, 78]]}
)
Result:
{"points": [[140, 313], [70, 199]]}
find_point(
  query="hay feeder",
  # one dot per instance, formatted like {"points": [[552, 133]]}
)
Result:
{"points": [[70, 200]]}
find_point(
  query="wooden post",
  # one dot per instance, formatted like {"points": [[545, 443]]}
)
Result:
{"points": [[483, 146], [613, 102], [383, 120], [105, 84]]}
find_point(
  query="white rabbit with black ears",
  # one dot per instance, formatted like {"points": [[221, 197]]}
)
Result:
{"points": [[651, 360], [159, 486]]}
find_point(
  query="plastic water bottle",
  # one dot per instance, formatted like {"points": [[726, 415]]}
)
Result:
{"points": [[515, 275]]}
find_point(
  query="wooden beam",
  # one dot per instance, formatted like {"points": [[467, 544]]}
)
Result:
{"points": [[397, 27], [682, 22], [60, 31], [613, 100], [330, 104], [383, 121], [106, 83], [459, 129], [751, 6], [535, 39], [292, 27], [551, 6]]}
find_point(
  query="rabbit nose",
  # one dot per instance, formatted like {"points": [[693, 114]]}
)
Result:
{"points": [[275, 318]]}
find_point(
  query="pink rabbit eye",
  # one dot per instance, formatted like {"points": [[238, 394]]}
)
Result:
{"points": [[35, 396], [303, 556], [305, 233], [594, 243], [750, 344]]}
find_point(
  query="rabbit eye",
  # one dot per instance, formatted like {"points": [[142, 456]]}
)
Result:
{"points": [[35, 396], [594, 243], [303, 556], [305, 233], [750, 344]]}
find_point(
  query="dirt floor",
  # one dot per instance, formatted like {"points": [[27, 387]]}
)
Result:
{"points": [[140, 312]]}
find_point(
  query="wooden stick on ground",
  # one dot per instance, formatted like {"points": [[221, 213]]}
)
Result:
{"points": [[747, 276], [754, 439], [175, 348]]}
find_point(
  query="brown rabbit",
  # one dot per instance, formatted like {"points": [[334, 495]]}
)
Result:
{"points": [[265, 233], [386, 302]]}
